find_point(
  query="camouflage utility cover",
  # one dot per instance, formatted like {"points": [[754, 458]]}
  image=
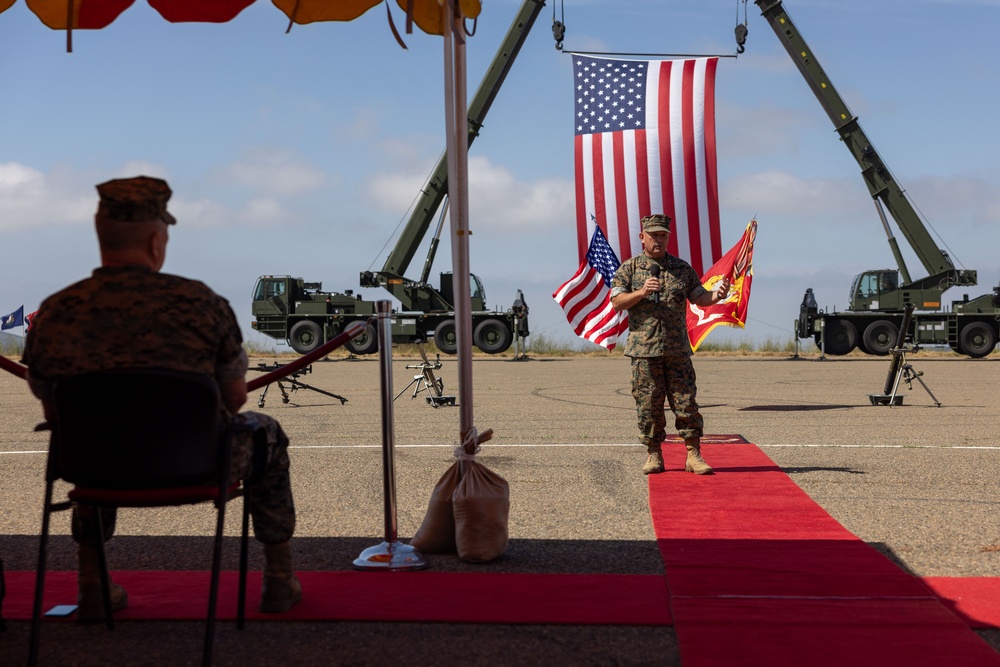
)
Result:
{"points": [[658, 329], [138, 199]]}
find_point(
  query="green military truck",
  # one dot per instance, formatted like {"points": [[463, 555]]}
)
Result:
{"points": [[303, 315], [879, 297], [299, 312]]}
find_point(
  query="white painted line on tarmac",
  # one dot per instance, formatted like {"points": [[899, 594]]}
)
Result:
{"points": [[890, 446], [491, 444], [599, 444], [618, 444]]}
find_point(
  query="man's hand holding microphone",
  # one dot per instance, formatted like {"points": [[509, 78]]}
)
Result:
{"points": [[652, 285]]}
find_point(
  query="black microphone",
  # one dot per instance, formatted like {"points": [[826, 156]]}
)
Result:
{"points": [[654, 270]]}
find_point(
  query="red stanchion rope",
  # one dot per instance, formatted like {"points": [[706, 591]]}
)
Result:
{"points": [[350, 331], [17, 369]]}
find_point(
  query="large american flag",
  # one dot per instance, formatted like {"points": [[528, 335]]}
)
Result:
{"points": [[645, 143], [585, 300]]}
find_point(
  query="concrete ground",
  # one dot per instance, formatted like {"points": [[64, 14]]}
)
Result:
{"points": [[917, 482]]}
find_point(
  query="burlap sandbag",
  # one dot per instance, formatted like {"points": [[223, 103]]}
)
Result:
{"points": [[481, 506], [437, 533]]}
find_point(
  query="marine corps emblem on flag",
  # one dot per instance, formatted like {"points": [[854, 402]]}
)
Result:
{"points": [[731, 311]]}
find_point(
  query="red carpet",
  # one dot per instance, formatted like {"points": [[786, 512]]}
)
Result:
{"points": [[760, 574], [579, 599], [976, 600]]}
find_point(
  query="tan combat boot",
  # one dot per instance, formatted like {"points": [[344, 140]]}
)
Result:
{"points": [[654, 462], [695, 463], [281, 588], [90, 602]]}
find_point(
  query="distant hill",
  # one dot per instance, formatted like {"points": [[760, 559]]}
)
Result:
{"points": [[10, 343]]}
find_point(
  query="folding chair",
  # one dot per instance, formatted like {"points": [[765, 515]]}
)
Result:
{"points": [[140, 438]]}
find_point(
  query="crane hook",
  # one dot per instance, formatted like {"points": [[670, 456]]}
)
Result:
{"points": [[558, 27], [558, 32], [741, 28], [741, 37]]}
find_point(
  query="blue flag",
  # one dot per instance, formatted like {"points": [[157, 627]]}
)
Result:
{"points": [[15, 319]]}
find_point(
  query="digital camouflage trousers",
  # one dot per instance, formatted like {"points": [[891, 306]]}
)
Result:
{"points": [[264, 469], [656, 382]]}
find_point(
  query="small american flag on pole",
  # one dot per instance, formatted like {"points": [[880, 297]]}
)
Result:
{"points": [[585, 300], [644, 136]]}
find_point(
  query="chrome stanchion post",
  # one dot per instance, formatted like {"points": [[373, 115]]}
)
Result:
{"points": [[391, 554]]}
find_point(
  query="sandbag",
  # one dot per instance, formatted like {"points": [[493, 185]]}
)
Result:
{"points": [[481, 508], [437, 532]]}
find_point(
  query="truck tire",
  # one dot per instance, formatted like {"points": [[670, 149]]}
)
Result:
{"points": [[305, 336], [364, 343], [446, 337], [492, 336], [977, 339], [879, 337], [841, 337]]}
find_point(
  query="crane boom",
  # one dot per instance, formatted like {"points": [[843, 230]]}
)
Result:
{"points": [[881, 184], [436, 187]]}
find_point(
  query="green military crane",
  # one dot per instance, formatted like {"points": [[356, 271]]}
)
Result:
{"points": [[879, 297], [291, 309]]}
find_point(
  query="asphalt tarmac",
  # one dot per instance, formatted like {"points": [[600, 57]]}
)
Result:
{"points": [[918, 482]]}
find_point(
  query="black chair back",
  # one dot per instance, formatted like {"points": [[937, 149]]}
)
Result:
{"points": [[137, 428]]}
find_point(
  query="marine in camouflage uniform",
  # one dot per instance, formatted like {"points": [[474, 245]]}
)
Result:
{"points": [[662, 372], [130, 315]]}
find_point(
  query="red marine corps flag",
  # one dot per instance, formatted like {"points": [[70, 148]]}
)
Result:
{"points": [[731, 311]]}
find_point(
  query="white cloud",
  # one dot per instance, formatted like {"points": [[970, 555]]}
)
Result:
{"points": [[273, 170], [29, 198], [498, 202], [946, 201], [255, 212], [778, 192], [32, 199]]}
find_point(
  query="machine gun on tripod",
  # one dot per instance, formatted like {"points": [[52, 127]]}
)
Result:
{"points": [[293, 380], [899, 369]]}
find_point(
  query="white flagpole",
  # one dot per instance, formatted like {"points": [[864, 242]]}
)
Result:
{"points": [[458, 196]]}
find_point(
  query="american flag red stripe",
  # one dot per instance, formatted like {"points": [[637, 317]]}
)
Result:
{"points": [[588, 308], [585, 298], [645, 143]]}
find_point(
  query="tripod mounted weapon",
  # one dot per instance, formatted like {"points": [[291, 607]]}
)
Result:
{"points": [[292, 379], [900, 369]]}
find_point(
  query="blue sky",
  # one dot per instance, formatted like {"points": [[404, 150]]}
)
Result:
{"points": [[300, 153]]}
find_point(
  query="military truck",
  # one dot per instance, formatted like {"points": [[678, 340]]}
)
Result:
{"points": [[299, 312], [878, 297]]}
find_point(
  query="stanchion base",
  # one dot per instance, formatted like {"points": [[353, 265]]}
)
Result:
{"points": [[390, 556]]}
